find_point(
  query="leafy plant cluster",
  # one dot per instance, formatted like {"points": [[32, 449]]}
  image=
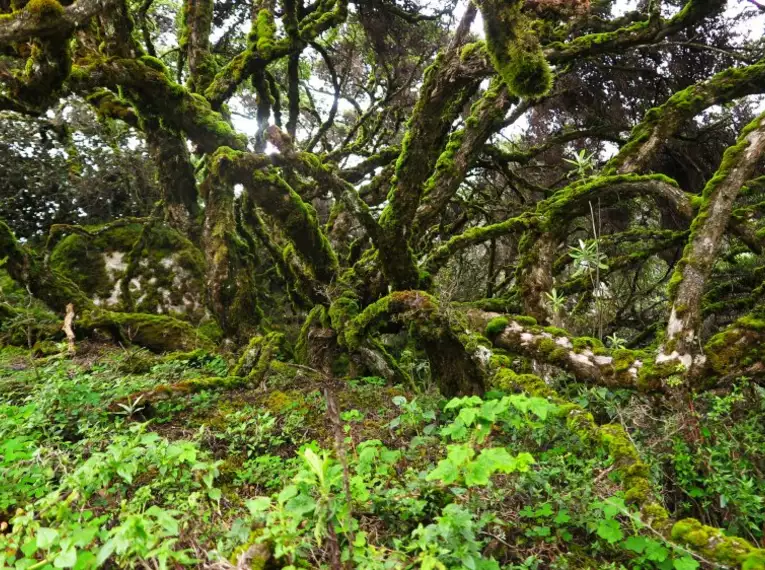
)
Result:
{"points": [[471, 483]]}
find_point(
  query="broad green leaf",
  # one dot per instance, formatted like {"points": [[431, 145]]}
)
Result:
{"points": [[498, 459], [523, 461], [540, 407], [287, 493], [66, 558], [315, 463], [685, 563], [399, 401], [258, 505], [613, 506], [635, 544], [460, 454], [562, 517], [455, 403], [609, 530], [477, 473], [301, 504], [446, 472], [456, 430], [655, 551], [85, 559], [468, 415], [46, 537]]}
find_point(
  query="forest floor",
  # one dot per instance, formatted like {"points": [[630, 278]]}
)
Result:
{"points": [[261, 476]]}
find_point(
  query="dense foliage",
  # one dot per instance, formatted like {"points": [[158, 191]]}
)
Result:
{"points": [[459, 284]]}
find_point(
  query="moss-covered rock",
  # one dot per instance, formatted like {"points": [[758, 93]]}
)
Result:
{"points": [[137, 268]]}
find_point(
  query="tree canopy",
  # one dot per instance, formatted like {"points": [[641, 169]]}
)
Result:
{"points": [[518, 192]]}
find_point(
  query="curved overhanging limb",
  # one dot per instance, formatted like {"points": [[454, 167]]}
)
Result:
{"points": [[447, 85], [585, 358], [263, 47], [663, 122], [657, 127], [571, 201], [461, 151], [145, 83]]}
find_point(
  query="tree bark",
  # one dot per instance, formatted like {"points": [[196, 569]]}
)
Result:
{"points": [[683, 342]]}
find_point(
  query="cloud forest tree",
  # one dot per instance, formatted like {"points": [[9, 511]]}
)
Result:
{"points": [[406, 174]]}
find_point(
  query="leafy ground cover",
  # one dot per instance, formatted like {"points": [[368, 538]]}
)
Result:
{"points": [[266, 477]]}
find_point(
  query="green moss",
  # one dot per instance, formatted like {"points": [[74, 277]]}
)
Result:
{"points": [[155, 332], [265, 32], [495, 326], [623, 359], [632, 470], [754, 562], [730, 160], [154, 63], [133, 267], [317, 317], [44, 9], [714, 545], [527, 74], [586, 343], [664, 120], [256, 359], [497, 361], [555, 331], [524, 320], [470, 49], [514, 49], [474, 341], [343, 309], [357, 328]]}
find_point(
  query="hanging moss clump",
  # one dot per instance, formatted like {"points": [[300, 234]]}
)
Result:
{"points": [[514, 49]]}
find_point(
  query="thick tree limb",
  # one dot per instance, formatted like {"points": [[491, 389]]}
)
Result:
{"points": [[585, 359], [463, 147], [195, 42], [457, 369], [175, 176], [569, 202], [48, 21], [644, 32], [661, 123], [152, 92], [449, 82], [270, 191], [264, 48], [691, 274]]}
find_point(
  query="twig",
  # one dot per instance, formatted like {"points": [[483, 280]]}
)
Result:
{"points": [[67, 328]]}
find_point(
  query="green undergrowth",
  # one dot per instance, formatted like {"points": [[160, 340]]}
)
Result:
{"points": [[93, 478]]}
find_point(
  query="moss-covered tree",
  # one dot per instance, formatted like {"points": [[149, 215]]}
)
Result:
{"points": [[408, 179]]}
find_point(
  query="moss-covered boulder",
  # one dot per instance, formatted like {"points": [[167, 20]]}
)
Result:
{"points": [[136, 268]]}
